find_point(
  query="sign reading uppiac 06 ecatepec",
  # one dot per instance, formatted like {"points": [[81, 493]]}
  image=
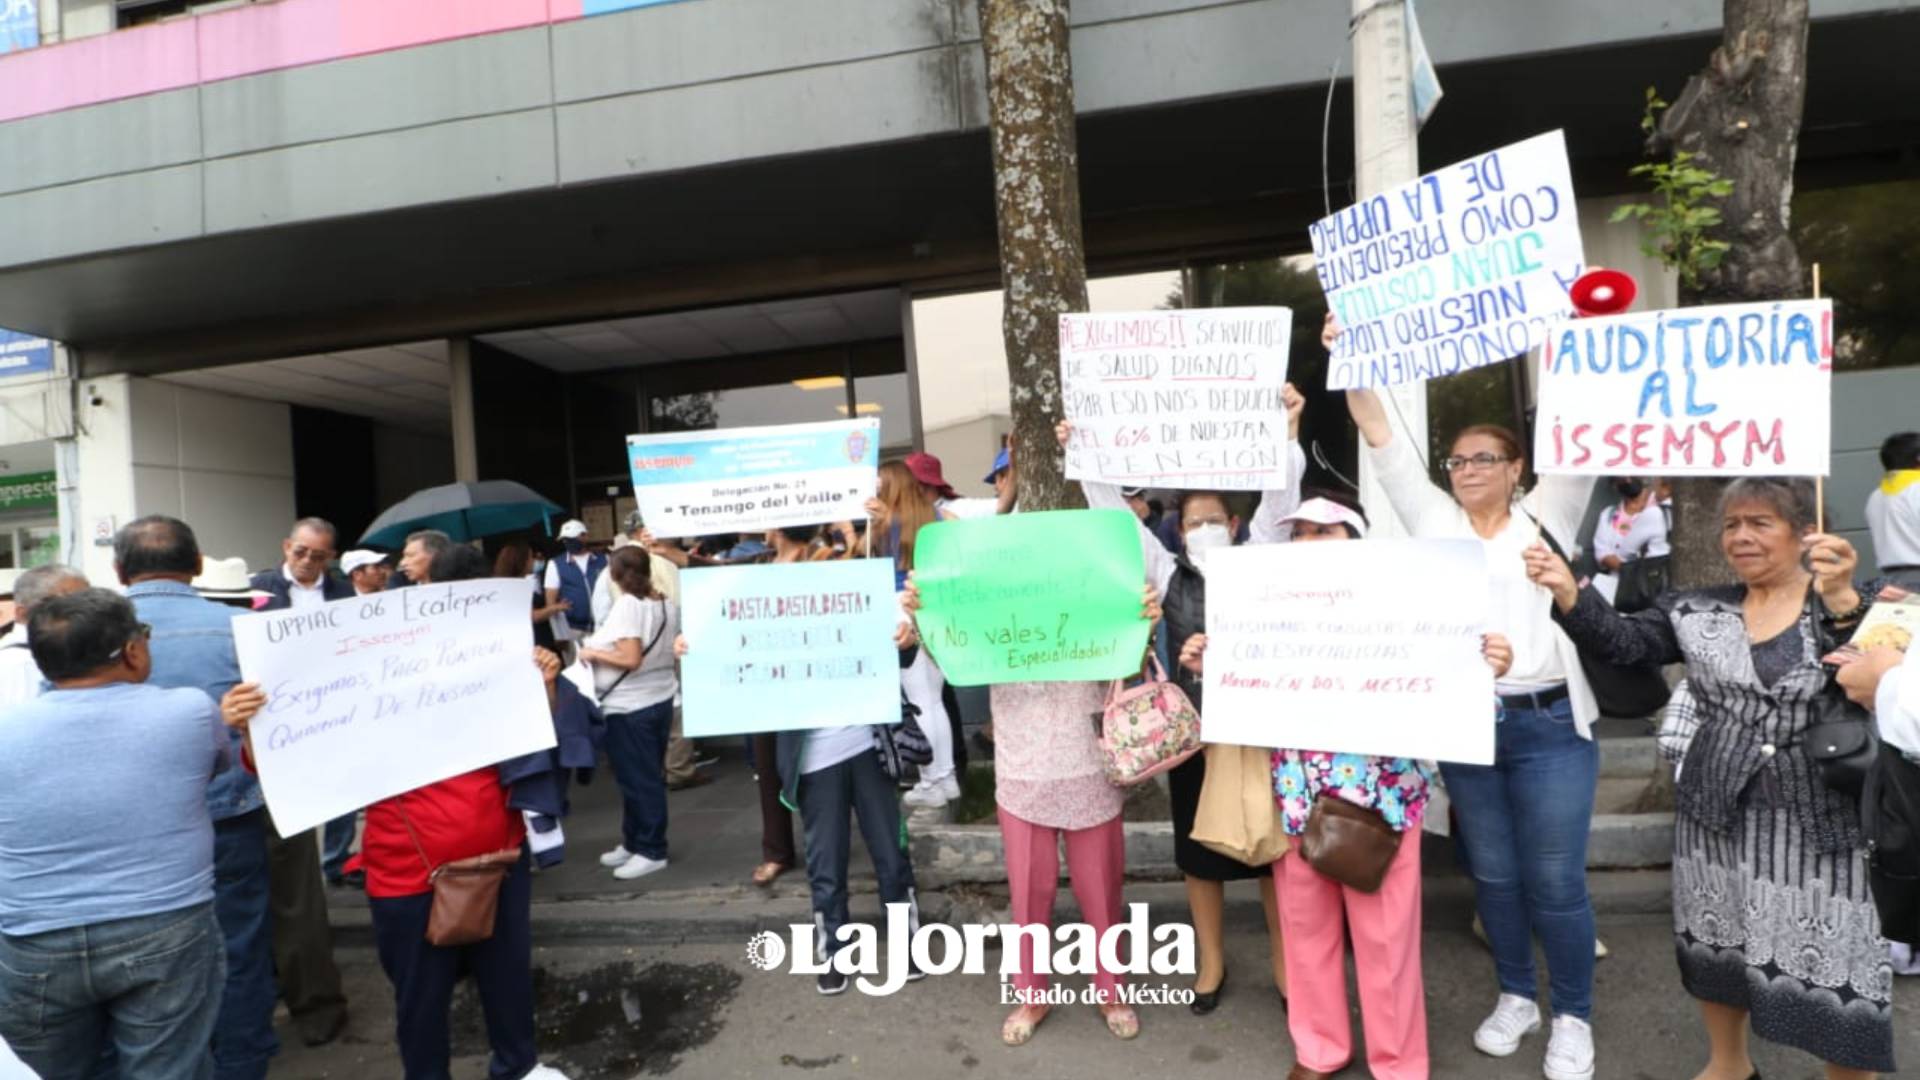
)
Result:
{"points": [[1042, 597], [789, 646], [1466, 266], [1359, 648], [380, 694], [702, 483], [1706, 391], [1185, 399]]}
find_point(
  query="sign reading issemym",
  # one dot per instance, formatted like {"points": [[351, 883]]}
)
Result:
{"points": [[1177, 398], [380, 694], [1042, 597], [701, 483], [789, 646], [1464, 267], [1366, 647], [1706, 391]]}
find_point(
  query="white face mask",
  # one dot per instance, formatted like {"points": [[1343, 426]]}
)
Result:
{"points": [[1206, 538]]}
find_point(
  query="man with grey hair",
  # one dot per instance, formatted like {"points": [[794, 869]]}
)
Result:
{"points": [[20, 678], [304, 579]]}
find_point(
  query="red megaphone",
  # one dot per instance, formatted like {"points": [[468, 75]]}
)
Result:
{"points": [[1602, 292]]}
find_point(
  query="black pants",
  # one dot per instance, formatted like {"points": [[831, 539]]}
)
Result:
{"points": [[424, 975]]}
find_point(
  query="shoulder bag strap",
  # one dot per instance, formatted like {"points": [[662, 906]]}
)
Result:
{"points": [[400, 804]]}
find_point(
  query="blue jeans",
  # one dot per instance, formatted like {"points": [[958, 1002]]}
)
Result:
{"points": [[143, 990], [637, 747], [243, 1038], [1524, 822], [423, 977], [860, 787], [339, 845]]}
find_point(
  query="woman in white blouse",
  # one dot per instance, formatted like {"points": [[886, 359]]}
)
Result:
{"points": [[1523, 821]]}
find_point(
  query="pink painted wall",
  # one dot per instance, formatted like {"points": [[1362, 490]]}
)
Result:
{"points": [[246, 41]]}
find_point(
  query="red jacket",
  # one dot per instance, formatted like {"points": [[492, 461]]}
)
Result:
{"points": [[456, 818]]}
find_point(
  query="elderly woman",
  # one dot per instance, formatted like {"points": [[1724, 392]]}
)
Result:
{"points": [[1772, 918]]}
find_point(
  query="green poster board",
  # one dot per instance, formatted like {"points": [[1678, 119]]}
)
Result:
{"points": [[1046, 597]]}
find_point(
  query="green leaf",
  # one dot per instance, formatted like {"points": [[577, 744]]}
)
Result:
{"points": [[1720, 188]]}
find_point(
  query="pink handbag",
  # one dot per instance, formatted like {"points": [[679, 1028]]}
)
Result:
{"points": [[1147, 730]]}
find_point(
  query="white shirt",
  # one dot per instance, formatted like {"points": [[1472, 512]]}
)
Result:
{"points": [[666, 582], [1896, 704], [1631, 536], [553, 568], [827, 747], [20, 678], [1543, 655], [1893, 517], [968, 508], [304, 596], [653, 681]]}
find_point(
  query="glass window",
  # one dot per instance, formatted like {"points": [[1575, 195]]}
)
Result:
{"points": [[1866, 239], [7, 560], [39, 545]]}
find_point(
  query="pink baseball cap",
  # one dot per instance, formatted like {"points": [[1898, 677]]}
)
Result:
{"points": [[1327, 512]]}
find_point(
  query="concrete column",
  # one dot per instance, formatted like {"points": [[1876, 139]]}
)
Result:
{"points": [[103, 454], [1386, 155], [466, 447]]}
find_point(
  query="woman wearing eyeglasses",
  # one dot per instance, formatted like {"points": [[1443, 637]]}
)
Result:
{"points": [[1524, 819]]}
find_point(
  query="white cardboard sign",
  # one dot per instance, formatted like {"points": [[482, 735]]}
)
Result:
{"points": [[1360, 647], [377, 695]]}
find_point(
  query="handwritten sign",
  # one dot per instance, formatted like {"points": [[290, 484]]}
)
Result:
{"points": [[381, 694], [1363, 647], [789, 646], [1053, 596], [700, 483], [1177, 398], [1707, 391], [1466, 266]]}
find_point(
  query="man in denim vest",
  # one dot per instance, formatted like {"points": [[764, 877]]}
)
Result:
{"points": [[571, 578]]}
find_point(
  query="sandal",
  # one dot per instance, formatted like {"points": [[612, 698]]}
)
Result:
{"points": [[766, 872], [1121, 1019], [1021, 1023]]}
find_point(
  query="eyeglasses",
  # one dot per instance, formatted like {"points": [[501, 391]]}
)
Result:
{"points": [[301, 553], [1482, 460], [140, 633]]}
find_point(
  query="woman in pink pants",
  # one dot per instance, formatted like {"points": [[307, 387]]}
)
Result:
{"points": [[1317, 913]]}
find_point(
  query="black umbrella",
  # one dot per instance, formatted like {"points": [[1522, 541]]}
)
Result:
{"points": [[462, 511]]}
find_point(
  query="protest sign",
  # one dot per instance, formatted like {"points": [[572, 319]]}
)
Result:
{"points": [[1466, 266], [1177, 398], [1053, 596], [789, 646], [1369, 647], [1706, 391], [700, 483], [380, 694]]}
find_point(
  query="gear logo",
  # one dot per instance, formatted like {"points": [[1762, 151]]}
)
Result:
{"points": [[765, 950]]}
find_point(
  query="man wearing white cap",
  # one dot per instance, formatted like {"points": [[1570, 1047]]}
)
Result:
{"points": [[368, 570], [571, 578]]}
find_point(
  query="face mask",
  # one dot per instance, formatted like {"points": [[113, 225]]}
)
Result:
{"points": [[573, 545], [1206, 538]]}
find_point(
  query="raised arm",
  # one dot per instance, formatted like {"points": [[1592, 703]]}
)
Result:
{"points": [[1268, 525], [1160, 564], [1642, 638]]}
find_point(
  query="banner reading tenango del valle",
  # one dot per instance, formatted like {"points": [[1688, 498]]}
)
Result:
{"points": [[703, 483], [1707, 391], [1464, 267]]}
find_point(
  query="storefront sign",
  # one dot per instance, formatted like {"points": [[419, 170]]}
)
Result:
{"points": [[380, 694], [21, 354], [1043, 597], [29, 491], [1186, 399], [1466, 266], [1362, 647], [789, 646], [702, 483]]}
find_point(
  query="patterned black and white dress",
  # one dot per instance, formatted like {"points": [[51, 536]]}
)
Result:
{"points": [[1771, 911]]}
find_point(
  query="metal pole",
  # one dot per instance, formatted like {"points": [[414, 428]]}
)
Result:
{"points": [[1386, 155]]}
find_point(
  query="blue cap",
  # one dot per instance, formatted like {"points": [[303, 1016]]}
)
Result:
{"points": [[1000, 463]]}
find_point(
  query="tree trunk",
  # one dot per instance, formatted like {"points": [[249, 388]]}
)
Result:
{"points": [[1036, 180], [1740, 118]]}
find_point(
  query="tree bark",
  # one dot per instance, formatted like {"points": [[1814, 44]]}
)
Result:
{"points": [[1740, 118], [1036, 179]]}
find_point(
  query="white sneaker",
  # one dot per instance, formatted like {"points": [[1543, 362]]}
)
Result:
{"points": [[927, 794], [546, 1072], [950, 787], [1570, 1050], [638, 866], [617, 857], [1513, 1018]]}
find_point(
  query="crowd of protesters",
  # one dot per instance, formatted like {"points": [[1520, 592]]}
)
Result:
{"points": [[152, 915]]}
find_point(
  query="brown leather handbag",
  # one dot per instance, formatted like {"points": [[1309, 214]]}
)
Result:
{"points": [[466, 892], [1350, 844]]}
